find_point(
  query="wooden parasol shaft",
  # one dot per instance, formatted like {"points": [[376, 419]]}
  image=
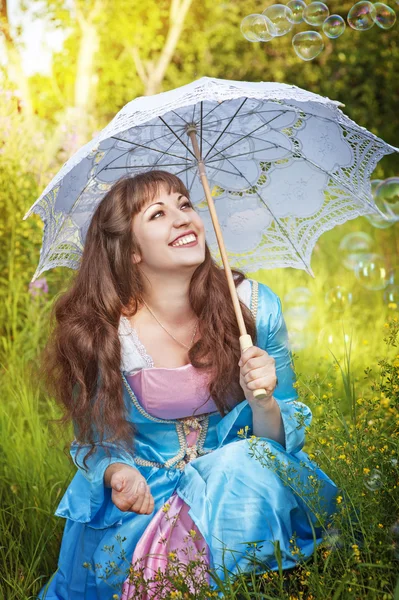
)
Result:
{"points": [[245, 338]]}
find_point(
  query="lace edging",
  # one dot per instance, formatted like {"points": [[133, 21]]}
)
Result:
{"points": [[141, 349]]}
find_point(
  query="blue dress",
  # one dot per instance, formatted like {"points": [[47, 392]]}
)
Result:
{"points": [[234, 498]]}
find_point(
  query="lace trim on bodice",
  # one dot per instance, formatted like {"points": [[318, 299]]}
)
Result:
{"points": [[142, 351]]}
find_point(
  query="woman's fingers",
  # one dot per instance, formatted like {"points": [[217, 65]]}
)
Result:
{"points": [[145, 507], [141, 500], [258, 374]]}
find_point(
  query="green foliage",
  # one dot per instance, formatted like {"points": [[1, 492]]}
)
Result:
{"points": [[358, 69], [354, 396]]}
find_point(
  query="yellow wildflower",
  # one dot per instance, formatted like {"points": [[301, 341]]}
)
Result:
{"points": [[166, 507], [366, 471], [339, 499], [380, 525]]}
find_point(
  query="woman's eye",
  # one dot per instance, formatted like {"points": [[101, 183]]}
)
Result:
{"points": [[161, 211]]}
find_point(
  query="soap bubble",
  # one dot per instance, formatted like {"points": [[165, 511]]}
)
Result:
{"points": [[299, 339], [394, 532], [316, 13], [385, 17], [281, 16], [297, 316], [387, 193], [372, 272], [373, 481], [394, 276], [353, 246], [374, 184], [334, 26], [299, 297], [362, 16], [391, 297], [378, 221], [338, 299], [308, 44], [297, 7], [257, 28], [297, 319], [298, 311], [332, 539], [338, 335]]}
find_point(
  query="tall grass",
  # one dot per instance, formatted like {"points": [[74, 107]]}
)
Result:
{"points": [[348, 382], [36, 469]]}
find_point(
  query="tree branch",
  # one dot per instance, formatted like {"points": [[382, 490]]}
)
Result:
{"points": [[178, 11], [140, 68]]}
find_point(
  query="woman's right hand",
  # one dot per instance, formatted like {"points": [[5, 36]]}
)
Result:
{"points": [[130, 491]]}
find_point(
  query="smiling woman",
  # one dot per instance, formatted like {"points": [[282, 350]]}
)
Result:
{"points": [[144, 360], [155, 227]]}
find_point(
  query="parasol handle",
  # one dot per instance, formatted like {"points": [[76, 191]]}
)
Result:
{"points": [[245, 339]]}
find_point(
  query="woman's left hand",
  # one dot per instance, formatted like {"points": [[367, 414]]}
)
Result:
{"points": [[257, 370]]}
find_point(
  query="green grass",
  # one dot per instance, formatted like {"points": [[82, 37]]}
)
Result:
{"points": [[354, 433]]}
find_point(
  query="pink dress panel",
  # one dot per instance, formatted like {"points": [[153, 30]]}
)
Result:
{"points": [[174, 530], [172, 393]]}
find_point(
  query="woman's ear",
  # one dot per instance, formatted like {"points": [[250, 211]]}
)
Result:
{"points": [[136, 258]]}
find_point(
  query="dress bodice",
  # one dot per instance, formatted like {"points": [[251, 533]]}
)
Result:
{"points": [[166, 393], [172, 393]]}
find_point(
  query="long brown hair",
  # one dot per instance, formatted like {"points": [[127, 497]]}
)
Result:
{"points": [[81, 361]]}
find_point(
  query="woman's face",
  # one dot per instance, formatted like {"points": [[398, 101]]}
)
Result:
{"points": [[156, 227]]}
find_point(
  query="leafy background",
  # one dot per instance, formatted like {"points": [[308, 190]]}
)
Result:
{"points": [[113, 52]]}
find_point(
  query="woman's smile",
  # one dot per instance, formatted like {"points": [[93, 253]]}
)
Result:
{"points": [[185, 242]]}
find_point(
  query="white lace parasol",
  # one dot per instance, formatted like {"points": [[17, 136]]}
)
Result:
{"points": [[284, 165]]}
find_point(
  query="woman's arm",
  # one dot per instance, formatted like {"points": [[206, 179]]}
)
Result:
{"points": [[283, 419], [268, 422]]}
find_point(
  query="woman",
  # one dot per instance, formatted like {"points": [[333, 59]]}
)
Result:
{"points": [[145, 359]]}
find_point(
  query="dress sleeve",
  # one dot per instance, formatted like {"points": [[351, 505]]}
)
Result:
{"points": [[273, 337], [87, 499]]}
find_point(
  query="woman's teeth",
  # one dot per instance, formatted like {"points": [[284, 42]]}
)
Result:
{"points": [[185, 240]]}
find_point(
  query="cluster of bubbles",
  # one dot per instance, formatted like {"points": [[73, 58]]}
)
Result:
{"points": [[372, 271], [279, 19], [299, 307], [370, 268]]}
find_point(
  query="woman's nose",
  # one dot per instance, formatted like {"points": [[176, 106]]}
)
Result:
{"points": [[182, 219]]}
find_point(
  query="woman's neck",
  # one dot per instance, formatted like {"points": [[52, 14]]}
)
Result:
{"points": [[170, 304]]}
